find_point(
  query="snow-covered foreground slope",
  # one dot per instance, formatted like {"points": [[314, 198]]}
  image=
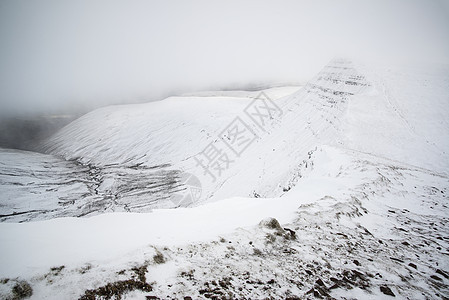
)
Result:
{"points": [[355, 222], [353, 165]]}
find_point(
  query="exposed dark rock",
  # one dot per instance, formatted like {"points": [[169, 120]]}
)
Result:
{"points": [[413, 265], [291, 233], [387, 291], [436, 277], [442, 273]]}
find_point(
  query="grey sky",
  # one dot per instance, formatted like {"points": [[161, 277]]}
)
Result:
{"points": [[56, 53]]}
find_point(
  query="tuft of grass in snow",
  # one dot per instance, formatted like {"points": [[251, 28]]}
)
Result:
{"points": [[271, 223], [159, 258], [22, 290], [115, 290]]}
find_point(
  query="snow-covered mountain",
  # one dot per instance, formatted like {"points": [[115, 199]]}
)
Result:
{"points": [[353, 165], [222, 141], [138, 157]]}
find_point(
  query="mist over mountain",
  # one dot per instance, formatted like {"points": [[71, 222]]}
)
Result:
{"points": [[65, 55]]}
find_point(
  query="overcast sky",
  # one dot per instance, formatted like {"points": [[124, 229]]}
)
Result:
{"points": [[59, 54]]}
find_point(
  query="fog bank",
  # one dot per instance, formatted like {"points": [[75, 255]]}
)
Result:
{"points": [[63, 55]]}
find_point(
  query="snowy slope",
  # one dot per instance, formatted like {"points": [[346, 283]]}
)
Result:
{"points": [[405, 117], [62, 188], [222, 141], [79, 188], [359, 223], [138, 157], [353, 165]]}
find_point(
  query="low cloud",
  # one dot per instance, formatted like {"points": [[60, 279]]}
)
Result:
{"points": [[58, 55]]}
